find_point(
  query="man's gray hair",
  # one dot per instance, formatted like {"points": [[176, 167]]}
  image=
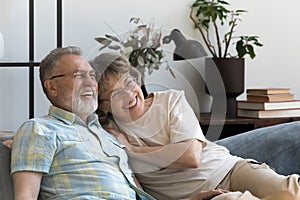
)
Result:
{"points": [[49, 62]]}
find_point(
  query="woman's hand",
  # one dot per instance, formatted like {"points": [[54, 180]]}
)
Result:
{"points": [[206, 195]]}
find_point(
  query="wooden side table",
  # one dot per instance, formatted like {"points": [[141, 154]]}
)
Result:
{"points": [[235, 125]]}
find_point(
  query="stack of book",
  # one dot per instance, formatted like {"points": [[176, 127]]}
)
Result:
{"points": [[268, 103]]}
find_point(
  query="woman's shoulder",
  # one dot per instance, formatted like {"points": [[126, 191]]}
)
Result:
{"points": [[169, 92], [170, 96]]}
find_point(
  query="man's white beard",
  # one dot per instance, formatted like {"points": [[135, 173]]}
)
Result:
{"points": [[85, 108]]}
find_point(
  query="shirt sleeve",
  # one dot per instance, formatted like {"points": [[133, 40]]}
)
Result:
{"points": [[184, 124], [33, 148]]}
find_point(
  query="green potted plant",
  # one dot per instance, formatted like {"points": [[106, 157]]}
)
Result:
{"points": [[211, 17], [207, 13], [142, 46]]}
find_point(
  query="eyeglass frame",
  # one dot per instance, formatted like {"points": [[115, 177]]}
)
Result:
{"points": [[80, 74], [134, 79]]}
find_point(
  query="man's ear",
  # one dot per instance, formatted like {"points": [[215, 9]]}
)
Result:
{"points": [[51, 87]]}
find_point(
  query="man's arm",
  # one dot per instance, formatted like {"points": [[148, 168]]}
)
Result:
{"points": [[27, 185]]}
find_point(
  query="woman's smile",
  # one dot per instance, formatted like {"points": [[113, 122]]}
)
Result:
{"points": [[131, 103]]}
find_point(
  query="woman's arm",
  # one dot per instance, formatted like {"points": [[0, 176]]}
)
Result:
{"points": [[204, 195], [184, 154]]}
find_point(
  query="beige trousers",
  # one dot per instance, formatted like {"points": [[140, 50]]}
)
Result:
{"points": [[254, 181], [248, 196]]}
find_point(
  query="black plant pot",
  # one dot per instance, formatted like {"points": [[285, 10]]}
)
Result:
{"points": [[232, 72]]}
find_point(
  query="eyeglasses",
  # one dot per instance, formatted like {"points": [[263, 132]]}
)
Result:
{"points": [[80, 75], [117, 94]]}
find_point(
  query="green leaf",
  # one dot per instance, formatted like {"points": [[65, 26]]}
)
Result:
{"points": [[150, 69], [114, 38], [258, 44], [223, 2], [143, 41], [103, 41], [142, 26], [135, 20], [240, 11], [141, 61], [156, 66], [132, 43], [240, 48], [151, 52], [114, 47], [133, 58], [250, 51], [103, 47]]}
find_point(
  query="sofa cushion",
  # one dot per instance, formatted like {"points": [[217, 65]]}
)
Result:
{"points": [[6, 186], [278, 146]]}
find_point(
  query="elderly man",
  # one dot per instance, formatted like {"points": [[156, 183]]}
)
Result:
{"points": [[67, 154]]}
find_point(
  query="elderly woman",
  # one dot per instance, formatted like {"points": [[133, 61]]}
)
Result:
{"points": [[171, 157]]}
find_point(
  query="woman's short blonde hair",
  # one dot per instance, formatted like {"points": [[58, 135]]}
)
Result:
{"points": [[111, 66]]}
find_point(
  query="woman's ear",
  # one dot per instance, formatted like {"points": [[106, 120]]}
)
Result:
{"points": [[51, 87]]}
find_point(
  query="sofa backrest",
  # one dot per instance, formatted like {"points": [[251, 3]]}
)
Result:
{"points": [[6, 185]]}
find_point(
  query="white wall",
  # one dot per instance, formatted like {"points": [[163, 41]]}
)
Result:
{"points": [[276, 23]]}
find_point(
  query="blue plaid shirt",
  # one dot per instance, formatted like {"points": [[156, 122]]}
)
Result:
{"points": [[79, 161]]}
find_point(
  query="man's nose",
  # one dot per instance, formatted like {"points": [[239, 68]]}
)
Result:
{"points": [[90, 79]]}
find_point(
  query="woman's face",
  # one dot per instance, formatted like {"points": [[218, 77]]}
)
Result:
{"points": [[124, 98]]}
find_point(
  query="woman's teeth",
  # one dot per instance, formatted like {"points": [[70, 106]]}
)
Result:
{"points": [[131, 103]]}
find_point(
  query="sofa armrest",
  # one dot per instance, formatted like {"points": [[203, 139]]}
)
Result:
{"points": [[6, 185]]}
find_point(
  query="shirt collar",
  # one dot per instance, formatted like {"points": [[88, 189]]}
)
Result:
{"points": [[70, 118]]}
